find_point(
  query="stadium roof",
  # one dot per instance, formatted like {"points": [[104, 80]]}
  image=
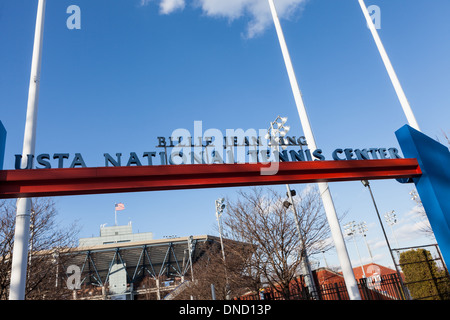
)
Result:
{"points": [[154, 258]]}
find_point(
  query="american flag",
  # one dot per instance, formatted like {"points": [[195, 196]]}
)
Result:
{"points": [[119, 206]]}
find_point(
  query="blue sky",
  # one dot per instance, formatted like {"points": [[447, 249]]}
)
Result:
{"points": [[140, 69]]}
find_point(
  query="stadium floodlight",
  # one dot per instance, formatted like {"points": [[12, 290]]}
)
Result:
{"points": [[350, 229], [220, 206], [414, 195], [277, 131], [362, 229], [391, 219]]}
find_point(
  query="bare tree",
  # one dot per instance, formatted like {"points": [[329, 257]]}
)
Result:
{"points": [[47, 240], [230, 277], [259, 218]]}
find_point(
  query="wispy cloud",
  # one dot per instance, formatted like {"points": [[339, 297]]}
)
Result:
{"points": [[169, 6], [257, 11], [145, 2]]}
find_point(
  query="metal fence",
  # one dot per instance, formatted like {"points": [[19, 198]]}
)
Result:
{"points": [[386, 287]]}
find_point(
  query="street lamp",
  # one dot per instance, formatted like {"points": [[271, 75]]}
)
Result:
{"points": [[391, 219], [220, 206], [367, 184], [350, 230], [276, 132]]}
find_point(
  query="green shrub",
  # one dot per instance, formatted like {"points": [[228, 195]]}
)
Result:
{"points": [[422, 276]]}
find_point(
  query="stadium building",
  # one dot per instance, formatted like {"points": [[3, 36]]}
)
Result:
{"points": [[120, 265]]}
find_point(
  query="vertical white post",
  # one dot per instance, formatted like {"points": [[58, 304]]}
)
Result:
{"points": [[338, 238], [359, 256], [390, 69], [22, 229]]}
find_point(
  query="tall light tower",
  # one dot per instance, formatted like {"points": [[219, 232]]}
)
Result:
{"points": [[366, 184], [330, 210], [362, 229], [350, 230], [391, 219], [220, 206], [276, 132]]}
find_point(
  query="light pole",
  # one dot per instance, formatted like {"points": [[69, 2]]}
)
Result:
{"points": [[220, 206], [362, 229], [367, 185], [276, 135], [391, 219], [325, 193], [350, 230]]}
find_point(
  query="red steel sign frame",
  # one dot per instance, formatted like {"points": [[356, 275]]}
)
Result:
{"points": [[79, 181]]}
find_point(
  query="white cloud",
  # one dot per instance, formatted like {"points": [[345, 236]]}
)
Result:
{"points": [[145, 2], [257, 11], [169, 6], [166, 6]]}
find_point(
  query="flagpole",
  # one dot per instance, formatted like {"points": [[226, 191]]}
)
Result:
{"points": [[333, 222], [22, 228], [390, 69]]}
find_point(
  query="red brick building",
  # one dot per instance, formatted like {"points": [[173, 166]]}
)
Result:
{"points": [[327, 276], [379, 283]]}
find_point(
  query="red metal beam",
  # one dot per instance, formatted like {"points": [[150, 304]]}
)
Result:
{"points": [[77, 181]]}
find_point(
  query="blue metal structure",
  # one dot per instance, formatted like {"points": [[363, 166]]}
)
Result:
{"points": [[2, 144], [433, 185]]}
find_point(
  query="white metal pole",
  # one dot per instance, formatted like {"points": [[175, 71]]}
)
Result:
{"points": [[338, 238], [368, 248], [390, 69], [220, 235], [360, 260], [393, 233], [22, 229]]}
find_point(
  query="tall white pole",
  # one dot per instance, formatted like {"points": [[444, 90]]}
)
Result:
{"points": [[359, 255], [390, 69], [22, 229], [338, 238]]}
